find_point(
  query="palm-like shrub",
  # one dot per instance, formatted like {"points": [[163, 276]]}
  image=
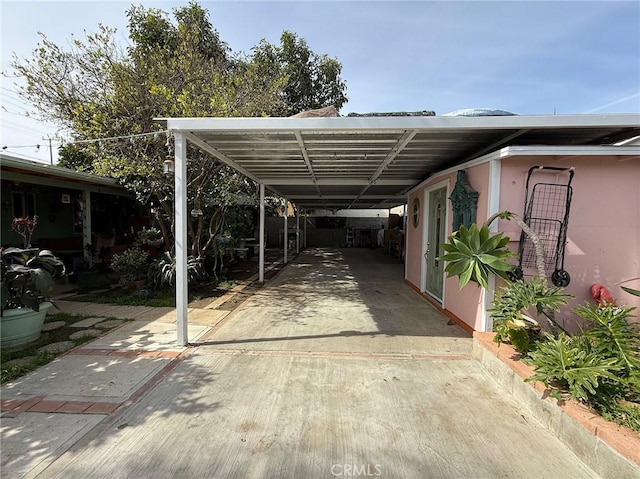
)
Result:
{"points": [[162, 271]]}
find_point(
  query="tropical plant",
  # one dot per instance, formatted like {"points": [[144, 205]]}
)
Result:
{"points": [[512, 300], [570, 363], [612, 335], [131, 265], [27, 278], [601, 365], [474, 253], [162, 271]]}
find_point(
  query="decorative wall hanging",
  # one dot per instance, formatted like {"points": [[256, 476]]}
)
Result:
{"points": [[464, 200]]}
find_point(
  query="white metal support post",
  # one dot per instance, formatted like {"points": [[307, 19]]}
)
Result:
{"points": [[261, 250], [493, 206], [86, 226], [180, 211], [297, 231], [286, 230]]}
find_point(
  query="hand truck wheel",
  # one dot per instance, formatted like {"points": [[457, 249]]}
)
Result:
{"points": [[516, 274], [560, 278]]}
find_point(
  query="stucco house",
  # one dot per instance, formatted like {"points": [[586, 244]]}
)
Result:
{"points": [[602, 222], [74, 209]]}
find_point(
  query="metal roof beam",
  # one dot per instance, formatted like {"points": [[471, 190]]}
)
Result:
{"points": [[305, 156], [347, 197], [494, 146], [204, 146], [402, 142], [303, 181]]}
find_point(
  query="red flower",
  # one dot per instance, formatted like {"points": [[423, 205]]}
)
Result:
{"points": [[602, 295]]}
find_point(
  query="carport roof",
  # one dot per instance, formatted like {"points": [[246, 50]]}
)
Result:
{"points": [[371, 162]]}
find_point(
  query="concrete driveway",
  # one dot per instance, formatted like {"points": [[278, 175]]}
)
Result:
{"points": [[336, 368]]}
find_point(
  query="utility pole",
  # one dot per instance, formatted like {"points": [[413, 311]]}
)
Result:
{"points": [[50, 149]]}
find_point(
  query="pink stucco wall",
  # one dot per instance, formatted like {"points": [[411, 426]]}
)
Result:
{"points": [[604, 222], [465, 303], [603, 229]]}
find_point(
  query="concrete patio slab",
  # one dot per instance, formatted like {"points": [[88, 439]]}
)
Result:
{"points": [[86, 378], [31, 441], [237, 416], [149, 335], [335, 368]]}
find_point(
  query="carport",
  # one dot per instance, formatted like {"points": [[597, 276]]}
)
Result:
{"points": [[359, 162]]}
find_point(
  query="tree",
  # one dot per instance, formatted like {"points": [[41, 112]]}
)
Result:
{"points": [[180, 68]]}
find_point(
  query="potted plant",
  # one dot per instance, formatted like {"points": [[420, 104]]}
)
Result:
{"points": [[27, 283]]}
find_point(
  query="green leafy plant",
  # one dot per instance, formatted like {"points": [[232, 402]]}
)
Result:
{"points": [[511, 303], [473, 254], [600, 366], [131, 265], [635, 292], [151, 236], [571, 363], [162, 271], [27, 278], [612, 335]]}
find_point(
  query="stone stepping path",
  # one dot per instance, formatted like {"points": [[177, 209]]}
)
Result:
{"points": [[111, 323], [59, 347], [86, 323], [86, 333], [20, 361], [53, 325]]}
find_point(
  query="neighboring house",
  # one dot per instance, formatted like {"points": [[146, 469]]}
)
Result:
{"points": [[74, 209], [603, 228]]}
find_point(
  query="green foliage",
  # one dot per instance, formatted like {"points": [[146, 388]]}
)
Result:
{"points": [[612, 335], [632, 291], [150, 236], [472, 254], [572, 363], [518, 296], [162, 271], [174, 66], [131, 265], [600, 366]]}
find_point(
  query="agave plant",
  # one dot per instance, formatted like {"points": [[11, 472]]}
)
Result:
{"points": [[473, 254], [162, 271]]}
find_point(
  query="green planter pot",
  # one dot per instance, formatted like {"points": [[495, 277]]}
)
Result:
{"points": [[21, 326]]}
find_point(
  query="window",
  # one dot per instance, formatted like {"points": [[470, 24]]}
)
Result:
{"points": [[24, 205]]}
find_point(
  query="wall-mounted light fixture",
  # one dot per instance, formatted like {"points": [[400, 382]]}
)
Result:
{"points": [[168, 166]]}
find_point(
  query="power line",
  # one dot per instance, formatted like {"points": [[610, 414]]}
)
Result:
{"points": [[124, 137]]}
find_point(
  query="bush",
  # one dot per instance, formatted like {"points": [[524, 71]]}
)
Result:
{"points": [[131, 265], [512, 300], [600, 367]]}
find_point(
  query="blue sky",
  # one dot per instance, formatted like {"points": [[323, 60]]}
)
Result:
{"points": [[528, 57]]}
